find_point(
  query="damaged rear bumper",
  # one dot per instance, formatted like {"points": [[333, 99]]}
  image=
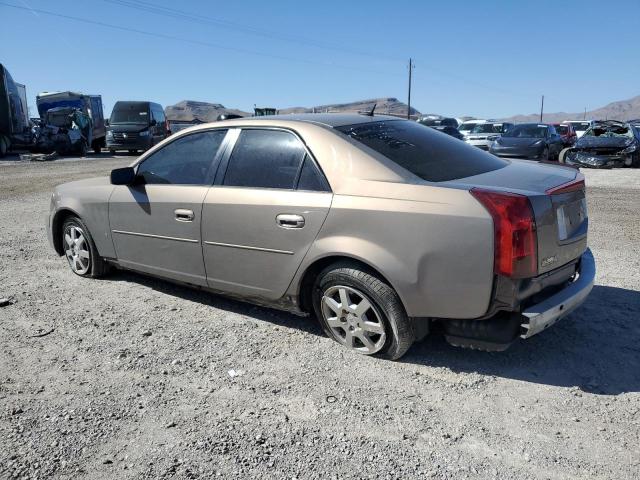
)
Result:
{"points": [[544, 314]]}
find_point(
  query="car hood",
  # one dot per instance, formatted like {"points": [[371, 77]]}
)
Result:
{"points": [[87, 183], [517, 142], [603, 142]]}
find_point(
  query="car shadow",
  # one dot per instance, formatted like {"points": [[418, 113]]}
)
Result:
{"points": [[596, 349], [228, 304]]}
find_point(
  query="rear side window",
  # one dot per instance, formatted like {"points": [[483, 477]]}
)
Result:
{"points": [[265, 159], [310, 177], [185, 161], [426, 153]]}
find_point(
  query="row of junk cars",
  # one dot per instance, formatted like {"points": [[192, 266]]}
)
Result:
{"points": [[580, 143]]}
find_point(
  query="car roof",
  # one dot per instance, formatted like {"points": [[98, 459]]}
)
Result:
{"points": [[326, 119]]}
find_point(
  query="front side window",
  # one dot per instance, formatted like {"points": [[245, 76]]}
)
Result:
{"points": [[265, 159], [185, 161], [423, 151]]}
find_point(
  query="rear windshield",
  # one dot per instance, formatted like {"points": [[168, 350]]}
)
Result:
{"points": [[527, 130], [428, 154], [130, 112], [562, 129]]}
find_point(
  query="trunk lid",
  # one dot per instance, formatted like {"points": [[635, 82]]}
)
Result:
{"points": [[560, 216]]}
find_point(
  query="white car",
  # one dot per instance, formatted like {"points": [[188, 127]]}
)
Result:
{"points": [[580, 126], [465, 128], [484, 134]]}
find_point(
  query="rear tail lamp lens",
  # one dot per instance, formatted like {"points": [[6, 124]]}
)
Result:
{"points": [[515, 245]]}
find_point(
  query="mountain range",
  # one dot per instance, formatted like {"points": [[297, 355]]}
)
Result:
{"points": [[621, 110], [190, 110]]}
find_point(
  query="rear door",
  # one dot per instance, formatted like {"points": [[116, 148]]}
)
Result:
{"points": [[156, 223], [267, 207]]}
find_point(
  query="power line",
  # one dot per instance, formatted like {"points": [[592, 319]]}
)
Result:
{"points": [[200, 42], [204, 20]]}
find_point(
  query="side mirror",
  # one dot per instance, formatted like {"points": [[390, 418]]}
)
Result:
{"points": [[123, 176], [153, 123]]}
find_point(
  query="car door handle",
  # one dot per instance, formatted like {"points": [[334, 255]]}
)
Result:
{"points": [[287, 220], [183, 215]]}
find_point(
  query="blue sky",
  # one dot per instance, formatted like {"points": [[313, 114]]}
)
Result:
{"points": [[489, 58]]}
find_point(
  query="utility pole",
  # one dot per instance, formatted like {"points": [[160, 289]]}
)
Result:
{"points": [[409, 96], [584, 117], [541, 108]]}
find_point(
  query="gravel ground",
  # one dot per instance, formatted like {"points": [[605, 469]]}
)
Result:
{"points": [[133, 377]]}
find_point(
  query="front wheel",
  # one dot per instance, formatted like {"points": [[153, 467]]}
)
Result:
{"points": [[361, 312], [563, 155], [80, 251], [544, 156]]}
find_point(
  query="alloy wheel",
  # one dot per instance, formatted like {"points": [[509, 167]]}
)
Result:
{"points": [[353, 319], [77, 249]]}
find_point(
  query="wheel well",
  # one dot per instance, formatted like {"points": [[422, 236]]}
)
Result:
{"points": [[56, 228], [313, 270]]}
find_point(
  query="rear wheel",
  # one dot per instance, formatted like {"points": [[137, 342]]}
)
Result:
{"points": [[361, 312], [80, 251]]}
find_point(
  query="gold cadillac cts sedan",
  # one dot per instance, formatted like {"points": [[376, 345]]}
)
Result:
{"points": [[380, 227]]}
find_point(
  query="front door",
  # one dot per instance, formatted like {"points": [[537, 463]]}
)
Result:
{"points": [[155, 223], [260, 219]]}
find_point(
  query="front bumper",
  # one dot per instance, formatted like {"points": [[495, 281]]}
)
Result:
{"points": [[523, 153], [140, 143], [597, 161], [544, 314]]}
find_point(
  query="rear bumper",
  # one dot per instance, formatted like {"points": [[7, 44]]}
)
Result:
{"points": [[544, 314]]}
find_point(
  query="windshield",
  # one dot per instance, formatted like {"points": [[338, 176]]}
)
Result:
{"points": [[130, 112], [527, 131], [466, 127], [422, 151], [487, 128], [580, 126], [610, 131]]}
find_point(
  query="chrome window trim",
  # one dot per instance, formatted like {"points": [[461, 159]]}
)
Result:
{"points": [[248, 247], [161, 237]]}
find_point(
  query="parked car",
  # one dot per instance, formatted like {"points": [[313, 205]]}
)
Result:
{"points": [[484, 134], [580, 126], [136, 126], [606, 144], [534, 141], [465, 128], [567, 132], [442, 124], [377, 225]]}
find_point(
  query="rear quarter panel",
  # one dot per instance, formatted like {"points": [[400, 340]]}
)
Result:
{"points": [[437, 252]]}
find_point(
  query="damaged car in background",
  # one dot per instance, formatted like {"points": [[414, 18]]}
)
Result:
{"points": [[63, 130], [606, 144]]}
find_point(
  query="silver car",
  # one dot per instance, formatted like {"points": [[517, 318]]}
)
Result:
{"points": [[379, 227]]}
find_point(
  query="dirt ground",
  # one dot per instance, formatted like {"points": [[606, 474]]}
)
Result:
{"points": [[132, 377]]}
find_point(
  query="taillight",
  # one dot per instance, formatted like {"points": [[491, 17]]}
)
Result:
{"points": [[514, 231], [572, 186]]}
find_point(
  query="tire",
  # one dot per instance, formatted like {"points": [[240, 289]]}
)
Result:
{"points": [[83, 149], [374, 323], [80, 238], [563, 154], [3, 147], [96, 147], [112, 152], [544, 156], [133, 152]]}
